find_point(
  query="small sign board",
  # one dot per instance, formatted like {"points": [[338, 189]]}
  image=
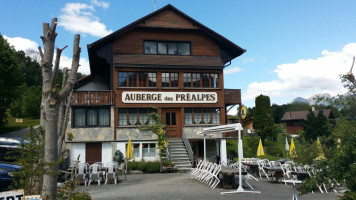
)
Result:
{"points": [[243, 112], [33, 197], [18, 120], [12, 195]]}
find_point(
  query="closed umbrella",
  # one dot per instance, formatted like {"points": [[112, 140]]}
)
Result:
{"points": [[287, 146], [260, 151], [292, 152], [129, 154]]}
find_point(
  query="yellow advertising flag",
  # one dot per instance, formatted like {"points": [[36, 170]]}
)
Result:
{"points": [[260, 151], [292, 152], [129, 151]]}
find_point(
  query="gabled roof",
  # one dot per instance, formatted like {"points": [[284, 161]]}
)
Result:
{"points": [[302, 115], [237, 50]]}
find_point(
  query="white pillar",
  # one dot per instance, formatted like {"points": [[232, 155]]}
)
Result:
{"points": [[223, 151]]}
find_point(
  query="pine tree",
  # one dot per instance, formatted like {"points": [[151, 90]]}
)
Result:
{"points": [[263, 117]]}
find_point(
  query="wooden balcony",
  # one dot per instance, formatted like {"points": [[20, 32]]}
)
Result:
{"points": [[92, 98], [232, 96]]}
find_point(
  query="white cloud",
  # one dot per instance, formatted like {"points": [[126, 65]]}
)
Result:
{"points": [[247, 60], [21, 44], [232, 70], [307, 76], [102, 4], [79, 18], [27, 45]]}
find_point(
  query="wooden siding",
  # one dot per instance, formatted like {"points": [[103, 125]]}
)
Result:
{"points": [[132, 42], [92, 98], [168, 19], [232, 96]]}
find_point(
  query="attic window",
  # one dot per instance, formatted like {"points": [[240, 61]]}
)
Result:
{"points": [[167, 48]]}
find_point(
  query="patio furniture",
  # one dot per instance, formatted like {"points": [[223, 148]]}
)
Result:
{"points": [[111, 172], [82, 172], [228, 175], [261, 171], [276, 172], [95, 173], [286, 168]]}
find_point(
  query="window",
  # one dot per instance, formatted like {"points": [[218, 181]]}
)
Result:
{"points": [[196, 79], [169, 79], [188, 118], [91, 116], [142, 116], [150, 47], [133, 116], [122, 116], [187, 79], [207, 80], [216, 115], [136, 150], [197, 116], [148, 149], [122, 79], [164, 48], [140, 79], [206, 116], [202, 116]]}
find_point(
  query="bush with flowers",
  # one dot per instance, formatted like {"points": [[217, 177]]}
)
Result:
{"points": [[158, 128]]}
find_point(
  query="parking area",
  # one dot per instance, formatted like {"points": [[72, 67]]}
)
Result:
{"points": [[180, 186]]}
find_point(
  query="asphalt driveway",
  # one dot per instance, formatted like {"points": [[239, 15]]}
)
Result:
{"points": [[180, 186]]}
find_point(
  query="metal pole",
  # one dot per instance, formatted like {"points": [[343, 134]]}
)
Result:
{"points": [[204, 149]]}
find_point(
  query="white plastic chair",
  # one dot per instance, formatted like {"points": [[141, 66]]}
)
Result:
{"points": [[95, 173], [111, 172], [261, 171], [286, 168], [82, 172]]}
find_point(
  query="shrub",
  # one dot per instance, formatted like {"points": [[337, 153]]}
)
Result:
{"points": [[146, 167], [274, 151]]}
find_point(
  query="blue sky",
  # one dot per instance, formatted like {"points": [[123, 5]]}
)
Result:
{"points": [[294, 48]]}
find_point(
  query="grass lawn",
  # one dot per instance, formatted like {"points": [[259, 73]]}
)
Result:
{"points": [[12, 125]]}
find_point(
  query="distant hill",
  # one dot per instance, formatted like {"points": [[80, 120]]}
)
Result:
{"points": [[300, 100]]}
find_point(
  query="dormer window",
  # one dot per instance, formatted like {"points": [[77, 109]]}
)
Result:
{"points": [[167, 48]]}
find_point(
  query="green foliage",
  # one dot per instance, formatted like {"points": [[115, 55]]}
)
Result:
{"points": [[11, 78], [316, 126], [274, 151], [69, 192], [30, 156], [278, 112], [263, 117], [31, 101], [250, 146], [158, 128], [146, 167]]}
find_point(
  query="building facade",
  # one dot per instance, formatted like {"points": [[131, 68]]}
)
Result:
{"points": [[165, 62]]}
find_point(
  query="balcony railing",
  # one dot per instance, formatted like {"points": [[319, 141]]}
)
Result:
{"points": [[92, 98], [232, 96]]}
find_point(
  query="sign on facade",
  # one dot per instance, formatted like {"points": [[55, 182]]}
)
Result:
{"points": [[12, 195], [169, 97], [243, 112]]}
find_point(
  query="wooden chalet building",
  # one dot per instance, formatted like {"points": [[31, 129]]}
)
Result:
{"points": [[294, 119], [165, 60]]}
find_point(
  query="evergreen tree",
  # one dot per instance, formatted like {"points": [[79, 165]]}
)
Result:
{"points": [[263, 118], [316, 126], [11, 78]]}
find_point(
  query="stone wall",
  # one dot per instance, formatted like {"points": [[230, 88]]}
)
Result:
{"points": [[134, 133], [191, 132]]}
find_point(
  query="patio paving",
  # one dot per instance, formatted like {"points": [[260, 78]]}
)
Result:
{"points": [[179, 186]]}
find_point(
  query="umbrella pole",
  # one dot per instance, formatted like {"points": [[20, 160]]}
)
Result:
{"points": [[204, 149], [240, 189], [125, 169]]}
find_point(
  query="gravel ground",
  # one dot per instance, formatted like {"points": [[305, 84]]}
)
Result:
{"points": [[180, 186]]}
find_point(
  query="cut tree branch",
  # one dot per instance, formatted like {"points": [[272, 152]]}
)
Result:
{"points": [[55, 69], [73, 73]]}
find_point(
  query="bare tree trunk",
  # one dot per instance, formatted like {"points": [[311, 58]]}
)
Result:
{"points": [[51, 102]]}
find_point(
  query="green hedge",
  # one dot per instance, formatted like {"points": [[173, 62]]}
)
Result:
{"points": [[145, 167]]}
